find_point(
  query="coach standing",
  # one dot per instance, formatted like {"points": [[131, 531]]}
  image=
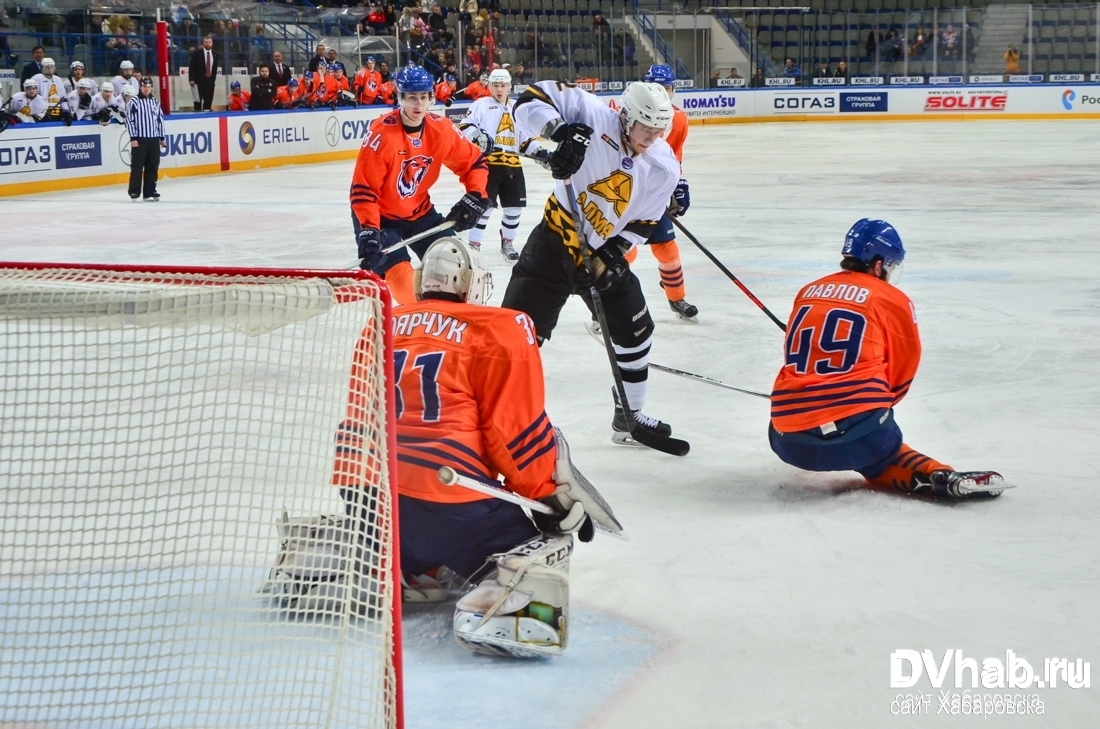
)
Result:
{"points": [[202, 73], [145, 123]]}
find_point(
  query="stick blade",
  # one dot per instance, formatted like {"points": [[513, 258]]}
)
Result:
{"points": [[671, 446]]}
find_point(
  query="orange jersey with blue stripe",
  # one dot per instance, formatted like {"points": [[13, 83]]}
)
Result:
{"points": [[852, 345], [470, 396], [394, 171], [678, 133]]}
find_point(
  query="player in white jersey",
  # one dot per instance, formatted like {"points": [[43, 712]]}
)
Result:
{"points": [[624, 175], [76, 75], [51, 87], [28, 105], [125, 78], [80, 101], [489, 125], [106, 105]]}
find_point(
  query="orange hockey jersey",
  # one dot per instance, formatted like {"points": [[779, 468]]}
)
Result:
{"points": [[367, 85], [285, 96], [394, 171], [333, 87], [239, 102], [470, 396], [475, 91], [678, 133], [852, 345]]}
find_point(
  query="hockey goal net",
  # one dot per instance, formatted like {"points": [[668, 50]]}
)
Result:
{"points": [[197, 507]]}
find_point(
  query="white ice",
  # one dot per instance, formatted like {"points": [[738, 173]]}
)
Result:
{"points": [[753, 594]]}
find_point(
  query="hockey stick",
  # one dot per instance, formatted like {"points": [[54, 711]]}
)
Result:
{"points": [[449, 477], [698, 378], [411, 239], [672, 446], [728, 273]]}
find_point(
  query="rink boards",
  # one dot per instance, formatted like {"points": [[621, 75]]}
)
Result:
{"points": [[47, 157]]}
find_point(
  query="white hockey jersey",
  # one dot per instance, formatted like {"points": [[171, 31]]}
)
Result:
{"points": [[114, 106], [70, 87], [28, 110], [79, 109], [118, 82], [618, 194], [497, 120], [52, 89]]}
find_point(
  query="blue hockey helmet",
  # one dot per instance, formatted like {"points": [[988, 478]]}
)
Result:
{"points": [[412, 79], [309, 76], [660, 73], [235, 86], [369, 59], [870, 239], [293, 82]]}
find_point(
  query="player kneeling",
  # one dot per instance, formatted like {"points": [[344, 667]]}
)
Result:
{"points": [[852, 350]]}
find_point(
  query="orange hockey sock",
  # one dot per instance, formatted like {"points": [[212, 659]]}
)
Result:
{"points": [[400, 280], [631, 254], [902, 471], [672, 275]]}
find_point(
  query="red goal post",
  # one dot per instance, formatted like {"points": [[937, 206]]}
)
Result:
{"points": [[159, 426]]}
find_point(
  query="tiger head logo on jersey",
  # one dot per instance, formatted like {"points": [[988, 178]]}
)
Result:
{"points": [[412, 174]]}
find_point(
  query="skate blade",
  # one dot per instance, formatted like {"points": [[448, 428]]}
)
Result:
{"points": [[593, 328], [625, 439], [684, 317], [969, 487]]}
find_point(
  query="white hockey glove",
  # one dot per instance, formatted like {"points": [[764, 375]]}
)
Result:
{"points": [[481, 140]]}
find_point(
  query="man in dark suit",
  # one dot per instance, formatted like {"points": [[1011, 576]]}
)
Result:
{"points": [[34, 67], [280, 72], [202, 73]]}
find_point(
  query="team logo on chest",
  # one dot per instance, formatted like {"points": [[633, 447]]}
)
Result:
{"points": [[506, 124], [412, 174], [616, 189]]}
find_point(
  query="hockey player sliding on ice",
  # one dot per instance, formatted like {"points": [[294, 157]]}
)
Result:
{"points": [[489, 125], [398, 163], [470, 397], [623, 174], [851, 352]]}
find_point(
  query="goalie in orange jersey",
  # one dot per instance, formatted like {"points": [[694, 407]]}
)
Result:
{"points": [[470, 397], [399, 160], [851, 352]]}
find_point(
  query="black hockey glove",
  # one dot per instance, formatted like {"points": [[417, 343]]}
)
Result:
{"points": [[573, 141], [681, 199], [468, 210], [67, 117], [372, 244], [610, 262], [574, 521]]}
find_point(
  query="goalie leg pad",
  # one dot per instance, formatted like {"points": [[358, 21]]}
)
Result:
{"points": [[522, 609]]}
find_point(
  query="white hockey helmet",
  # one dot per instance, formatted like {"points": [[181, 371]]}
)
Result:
{"points": [[645, 103], [126, 65], [48, 62], [128, 90], [30, 84], [449, 267], [500, 76], [84, 83], [75, 64], [107, 86]]}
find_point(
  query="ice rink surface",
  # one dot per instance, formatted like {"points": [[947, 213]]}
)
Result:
{"points": [[752, 594]]}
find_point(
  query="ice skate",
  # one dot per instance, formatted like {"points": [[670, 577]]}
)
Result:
{"points": [[621, 432], [684, 310], [432, 586], [962, 485], [508, 250], [593, 328]]}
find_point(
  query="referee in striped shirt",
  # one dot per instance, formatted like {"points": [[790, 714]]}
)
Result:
{"points": [[145, 123]]}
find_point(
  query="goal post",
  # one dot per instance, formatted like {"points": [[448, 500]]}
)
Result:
{"points": [[198, 504]]}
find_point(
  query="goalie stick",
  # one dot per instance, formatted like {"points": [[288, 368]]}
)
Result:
{"points": [[411, 239], [665, 444], [728, 273]]}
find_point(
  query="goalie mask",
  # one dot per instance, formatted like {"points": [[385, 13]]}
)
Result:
{"points": [[449, 267]]}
